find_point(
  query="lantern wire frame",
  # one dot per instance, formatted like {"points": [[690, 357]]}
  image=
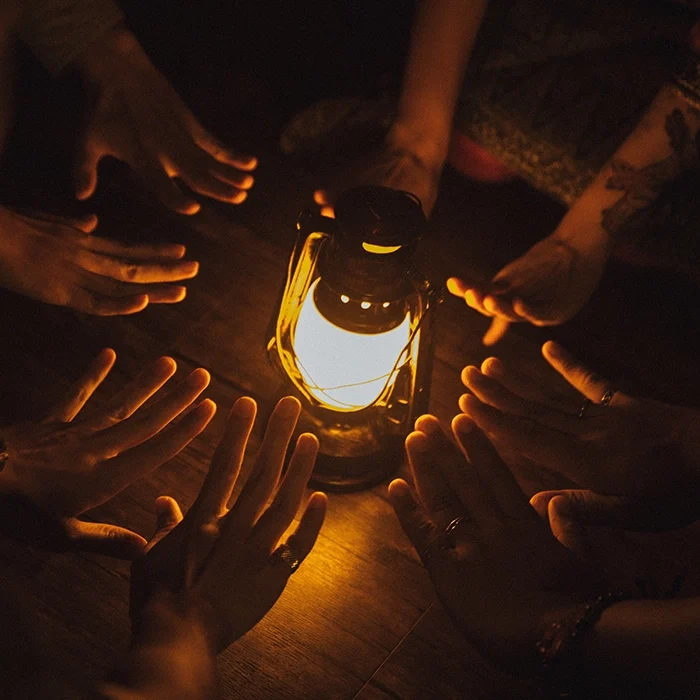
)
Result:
{"points": [[297, 287]]}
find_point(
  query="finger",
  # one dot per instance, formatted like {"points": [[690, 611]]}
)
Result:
{"points": [[157, 180], [276, 519], [134, 395], [491, 469], [457, 287], [475, 299], [159, 251], [434, 453], [498, 328], [85, 171], [266, 472], [413, 518], [569, 531], [111, 288], [432, 488], [168, 517], [222, 153], [117, 473], [206, 184], [230, 175], [546, 446], [145, 423], [108, 540], [77, 396], [136, 272], [591, 385], [489, 391], [216, 491], [90, 302], [86, 223], [500, 306], [523, 386], [591, 508], [303, 539]]}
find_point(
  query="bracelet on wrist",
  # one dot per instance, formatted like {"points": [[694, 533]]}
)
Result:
{"points": [[558, 649]]}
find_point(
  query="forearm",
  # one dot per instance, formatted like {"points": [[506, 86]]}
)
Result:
{"points": [[58, 31], [442, 39], [664, 144], [643, 640], [170, 659]]}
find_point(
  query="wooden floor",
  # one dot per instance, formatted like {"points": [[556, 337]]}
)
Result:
{"points": [[359, 620]]}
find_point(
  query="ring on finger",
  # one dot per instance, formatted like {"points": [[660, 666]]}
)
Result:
{"points": [[285, 554], [455, 523], [607, 397]]}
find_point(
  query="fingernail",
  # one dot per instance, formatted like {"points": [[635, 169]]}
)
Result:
{"points": [[248, 182], [493, 367], [288, 407], [462, 424], [197, 377]]}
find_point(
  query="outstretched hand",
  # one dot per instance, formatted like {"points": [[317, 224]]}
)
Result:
{"points": [[140, 119], [495, 565], [66, 464], [223, 558], [636, 458], [546, 286], [59, 261]]}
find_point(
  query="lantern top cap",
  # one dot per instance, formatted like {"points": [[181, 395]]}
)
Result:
{"points": [[380, 216]]}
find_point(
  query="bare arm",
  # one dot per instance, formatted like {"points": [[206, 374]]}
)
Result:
{"points": [[443, 36]]}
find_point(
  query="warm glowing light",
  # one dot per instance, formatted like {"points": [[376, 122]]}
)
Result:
{"points": [[344, 370], [344, 298], [380, 249], [365, 305]]}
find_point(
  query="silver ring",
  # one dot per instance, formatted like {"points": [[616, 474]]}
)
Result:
{"points": [[288, 557], [582, 409], [607, 397], [454, 524]]}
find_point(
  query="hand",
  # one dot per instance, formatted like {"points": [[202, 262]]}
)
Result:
{"points": [[140, 119], [546, 286], [59, 261], [403, 163], [224, 561], [640, 457], [62, 466], [501, 573]]}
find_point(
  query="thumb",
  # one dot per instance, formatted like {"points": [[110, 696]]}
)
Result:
{"points": [[102, 538], [498, 328], [168, 517], [567, 529], [85, 171]]}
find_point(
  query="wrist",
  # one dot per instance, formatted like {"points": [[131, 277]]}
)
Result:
{"points": [[429, 146], [97, 62]]}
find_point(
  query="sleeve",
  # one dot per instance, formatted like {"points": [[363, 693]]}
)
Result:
{"points": [[59, 30]]}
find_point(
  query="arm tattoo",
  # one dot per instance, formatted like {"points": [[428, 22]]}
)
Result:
{"points": [[641, 186]]}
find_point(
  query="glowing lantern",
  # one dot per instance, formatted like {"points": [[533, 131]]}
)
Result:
{"points": [[353, 333]]}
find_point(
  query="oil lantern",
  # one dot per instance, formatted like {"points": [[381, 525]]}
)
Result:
{"points": [[353, 333]]}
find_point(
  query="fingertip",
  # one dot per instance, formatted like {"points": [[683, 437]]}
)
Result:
{"points": [[321, 197], [307, 444], [462, 425], [552, 350], [417, 442], [244, 407], [455, 286], [198, 378], [166, 364], [188, 207], [427, 424], [318, 501], [239, 197], [107, 355], [288, 407], [493, 367], [328, 211], [462, 403], [206, 409], [399, 489]]}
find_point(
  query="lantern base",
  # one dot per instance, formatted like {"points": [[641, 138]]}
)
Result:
{"points": [[343, 474], [356, 452]]}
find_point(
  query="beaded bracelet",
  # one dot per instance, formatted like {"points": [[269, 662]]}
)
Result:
{"points": [[555, 648]]}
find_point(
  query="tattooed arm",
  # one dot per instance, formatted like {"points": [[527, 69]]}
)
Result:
{"points": [[555, 278]]}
